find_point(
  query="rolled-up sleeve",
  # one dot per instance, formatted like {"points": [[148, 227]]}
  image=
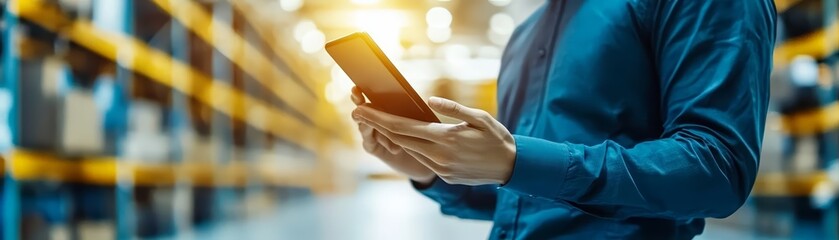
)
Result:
{"points": [[713, 60]]}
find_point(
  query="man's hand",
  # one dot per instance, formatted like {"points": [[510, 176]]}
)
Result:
{"points": [[477, 151], [391, 154]]}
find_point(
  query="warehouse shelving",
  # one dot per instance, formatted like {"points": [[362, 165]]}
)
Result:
{"points": [[811, 122], [813, 44], [316, 133], [302, 95], [161, 67], [172, 73], [30, 166], [810, 28], [247, 57], [780, 184], [782, 5]]}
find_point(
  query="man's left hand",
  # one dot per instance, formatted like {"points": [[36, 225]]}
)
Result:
{"points": [[477, 151]]}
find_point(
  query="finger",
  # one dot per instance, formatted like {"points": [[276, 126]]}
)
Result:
{"points": [[366, 130], [369, 145], [387, 143], [399, 125], [366, 137], [453, 109], [355, 117], [370, 135], [407, 142], [357, 97], [425, 161]]}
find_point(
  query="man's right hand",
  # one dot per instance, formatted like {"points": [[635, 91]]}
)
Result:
{"points": [[391, 154]]}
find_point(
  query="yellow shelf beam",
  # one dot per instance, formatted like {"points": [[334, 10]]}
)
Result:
{"points": [[787, 185], [813, 44], [783, 5], [247, 57], [266, 32], [107, 171], [159, 66], [811, 122]]}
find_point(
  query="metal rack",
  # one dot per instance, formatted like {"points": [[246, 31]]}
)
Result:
{"points": [[780, 191], [245, 89]]}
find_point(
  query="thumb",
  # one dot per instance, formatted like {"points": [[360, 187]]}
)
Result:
{"points": [[456, 110]]}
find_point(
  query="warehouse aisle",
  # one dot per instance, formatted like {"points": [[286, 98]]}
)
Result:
{"points": [[378, 210], [209, 119]]}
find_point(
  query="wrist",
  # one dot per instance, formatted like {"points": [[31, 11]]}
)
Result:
{"points": [[510, 160]]}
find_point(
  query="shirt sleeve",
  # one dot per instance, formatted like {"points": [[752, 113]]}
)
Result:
{"points": [[713, 59], [470, 202]]}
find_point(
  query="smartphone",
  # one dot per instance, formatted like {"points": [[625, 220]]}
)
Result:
{"points": [[372, 72]]}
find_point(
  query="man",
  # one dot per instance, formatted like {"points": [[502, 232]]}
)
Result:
{"points": [[617, 119]]}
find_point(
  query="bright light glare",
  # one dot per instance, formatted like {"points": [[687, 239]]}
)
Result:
{"points": [[496, 38], [419, 51], [438, 17], [365, 2], [325, 59], [369, 20], [108, 20], [502, 23], [302, 28], [500, 3], [465, 70], [804, 71], [338, 75], [439, 35], [457, 52], [492, 52], [389, 42], [313, 41], [291, 5], [385, 27], [338, 89]]}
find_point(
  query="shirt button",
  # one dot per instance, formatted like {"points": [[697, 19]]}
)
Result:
{"points": [[530, 195], [542, 52]]}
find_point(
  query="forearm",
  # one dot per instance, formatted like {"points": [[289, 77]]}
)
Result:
{"points": [[688, 175]]}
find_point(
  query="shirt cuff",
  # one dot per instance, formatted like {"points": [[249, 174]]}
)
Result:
{"points": [[441, 191], [540, 168]]}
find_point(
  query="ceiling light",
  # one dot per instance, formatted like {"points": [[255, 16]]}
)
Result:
{"points": [[313, 41], [439, 35], [502, 23], [365, 2], [291, 5], [438, 17], [303, 27], [500, 3]]}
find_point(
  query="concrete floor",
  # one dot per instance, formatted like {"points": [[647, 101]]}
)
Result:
{"points": [[383, 209]]}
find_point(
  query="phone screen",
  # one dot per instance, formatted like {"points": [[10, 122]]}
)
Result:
{"points": [[377, 78]]}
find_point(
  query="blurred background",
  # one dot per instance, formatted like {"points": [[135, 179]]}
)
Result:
{"points": [[223, 119]]}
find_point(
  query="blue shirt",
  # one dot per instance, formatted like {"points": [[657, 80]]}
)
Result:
{"points": [[632, 119]]}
